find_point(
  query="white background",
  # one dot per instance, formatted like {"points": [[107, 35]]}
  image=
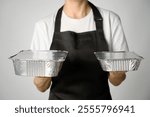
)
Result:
{"points": [[17, 19]]}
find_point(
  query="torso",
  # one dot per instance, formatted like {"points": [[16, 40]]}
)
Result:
{"points": [[81, 76]]}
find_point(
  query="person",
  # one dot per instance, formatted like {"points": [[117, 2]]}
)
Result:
{"points": [[80, 28]]}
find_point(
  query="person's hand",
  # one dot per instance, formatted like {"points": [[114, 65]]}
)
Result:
{"points": [[116, 77], [42, 83]]}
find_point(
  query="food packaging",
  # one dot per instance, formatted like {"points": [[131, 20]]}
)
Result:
{"points": [[43, 63], [118, 61]]}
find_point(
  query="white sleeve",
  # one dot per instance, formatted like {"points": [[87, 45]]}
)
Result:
{"points": [[119, 42], [35, 38], [40, 40]]}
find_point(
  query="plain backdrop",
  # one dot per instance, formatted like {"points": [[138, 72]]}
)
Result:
{"points": [[17, 19]]}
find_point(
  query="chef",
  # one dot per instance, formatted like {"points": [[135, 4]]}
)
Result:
{"points": [[80, 28]]}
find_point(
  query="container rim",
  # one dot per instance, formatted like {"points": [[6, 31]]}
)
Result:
{"points": [[138, 57], [11, 57]]}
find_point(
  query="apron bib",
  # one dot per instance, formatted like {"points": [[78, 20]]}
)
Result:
{"points": [[81, 77]]}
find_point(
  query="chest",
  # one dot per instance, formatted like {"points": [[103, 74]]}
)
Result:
{"points": [[84, 24]]}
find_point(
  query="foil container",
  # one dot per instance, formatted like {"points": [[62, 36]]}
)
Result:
{"points": [[46, 63], [118, 61]]}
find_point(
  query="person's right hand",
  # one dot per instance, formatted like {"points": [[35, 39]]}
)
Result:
{"points": [[42, 83]]}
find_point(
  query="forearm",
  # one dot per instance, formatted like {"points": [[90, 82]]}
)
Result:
{"points": [[42, 83], [116, 78]]}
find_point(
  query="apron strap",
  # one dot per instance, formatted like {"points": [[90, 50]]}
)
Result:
{"points": [[58, 20], [97, 17]]}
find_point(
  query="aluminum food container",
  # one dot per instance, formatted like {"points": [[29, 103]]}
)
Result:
{"points": [[46, 63], [118, 61]]}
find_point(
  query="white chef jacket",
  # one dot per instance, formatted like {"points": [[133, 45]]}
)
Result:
{"points": [[113, 30]]}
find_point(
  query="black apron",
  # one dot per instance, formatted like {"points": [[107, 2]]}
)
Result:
{"points": [[81, 77]]}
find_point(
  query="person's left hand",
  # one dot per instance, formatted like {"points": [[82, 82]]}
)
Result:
{"points": [[116, 77]]}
